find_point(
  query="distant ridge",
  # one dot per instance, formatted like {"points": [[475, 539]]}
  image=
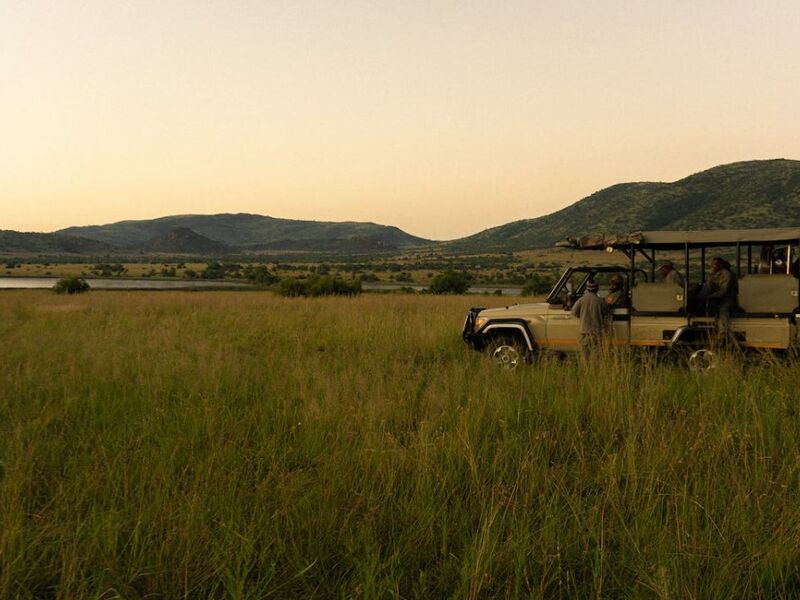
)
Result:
{"points": [[183, 240], [762, 193], [251, 232], [48, 243]]}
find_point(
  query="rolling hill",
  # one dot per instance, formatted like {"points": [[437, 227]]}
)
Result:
{"points": [[762, 193], [48, 243], [254, 232], [183, 240]]}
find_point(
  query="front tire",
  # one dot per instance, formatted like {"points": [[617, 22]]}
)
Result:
{"points": [[507, 353]]}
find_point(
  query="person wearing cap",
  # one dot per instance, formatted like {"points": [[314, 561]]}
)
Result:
{"points": [[616, 293], [670, 273], [591, 310]]}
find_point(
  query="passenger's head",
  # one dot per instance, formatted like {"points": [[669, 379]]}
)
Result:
{"points": [[592, 286], [718, 263], [666, 267], [616, 282]]}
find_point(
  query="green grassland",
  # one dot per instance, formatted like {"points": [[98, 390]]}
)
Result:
{"points": [[195, 445], [418, 268]]}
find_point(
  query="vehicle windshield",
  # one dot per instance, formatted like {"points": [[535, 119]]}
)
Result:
{"points": [[572, 283]]}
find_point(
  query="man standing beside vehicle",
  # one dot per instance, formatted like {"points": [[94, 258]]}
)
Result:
{"points": [[721, 294], [591, 310]]}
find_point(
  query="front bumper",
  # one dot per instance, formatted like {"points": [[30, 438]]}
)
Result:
{"points": [[474, 339]]}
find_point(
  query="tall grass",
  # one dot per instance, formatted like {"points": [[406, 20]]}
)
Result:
{"points": [[242, 445]]}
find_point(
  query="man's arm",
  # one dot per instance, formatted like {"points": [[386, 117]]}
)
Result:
{"points": [[724, 285], [576, 308]]}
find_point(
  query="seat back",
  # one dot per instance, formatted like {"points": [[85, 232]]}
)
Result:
{"points": [[761, 293], [657, 297]]}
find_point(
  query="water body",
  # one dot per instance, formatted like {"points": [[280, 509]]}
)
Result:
{"points": [[33, 283], [476, 289], [42, 283]]}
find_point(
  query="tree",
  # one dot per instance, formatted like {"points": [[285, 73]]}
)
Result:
{"points": [[71, 285], [450, 282], [318, 286], [538, 285]]}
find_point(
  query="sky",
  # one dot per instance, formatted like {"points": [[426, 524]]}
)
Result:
{"points": [[441, 117]]}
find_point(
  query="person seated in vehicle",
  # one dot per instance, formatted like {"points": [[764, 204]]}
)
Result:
{"points": [[721, 293], [670, 274], [617, 298]]}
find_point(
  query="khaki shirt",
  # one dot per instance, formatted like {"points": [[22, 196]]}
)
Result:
{"points": [[724, 286], [675, 277], [616, 299], [591, 310]]}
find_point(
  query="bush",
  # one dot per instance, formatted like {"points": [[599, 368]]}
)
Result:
{"points": [[260, 275], [292, 287], [333, 286], [108, 270], [217, 270], [450, 282], [71, 285], [538, 285], [318, 286]]}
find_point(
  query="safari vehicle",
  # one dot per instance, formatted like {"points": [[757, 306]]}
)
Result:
{"points": [[658, 314]]}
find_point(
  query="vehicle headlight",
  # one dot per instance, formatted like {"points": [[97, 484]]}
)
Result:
{"points": [[480, 322]]}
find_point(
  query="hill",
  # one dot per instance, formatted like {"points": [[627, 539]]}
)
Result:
{"points": [[48, 243], [254, 232], [183, 240], [762, 193]]}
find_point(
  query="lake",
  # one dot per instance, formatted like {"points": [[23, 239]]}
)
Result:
{"points": [[32, 283]]}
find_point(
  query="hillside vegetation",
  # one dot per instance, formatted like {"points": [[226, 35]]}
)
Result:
{"points": [[203, 445], [254, 232], [739, 195], [183, 240], [48, 243]]}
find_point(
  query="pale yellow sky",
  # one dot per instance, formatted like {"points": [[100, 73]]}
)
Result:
{"points": [[440, 117]]}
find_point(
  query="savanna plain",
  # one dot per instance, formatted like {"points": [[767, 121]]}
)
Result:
{"points": [[243, 445]]}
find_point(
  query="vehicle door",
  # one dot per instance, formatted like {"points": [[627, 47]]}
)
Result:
{"points": [[561, 326]]}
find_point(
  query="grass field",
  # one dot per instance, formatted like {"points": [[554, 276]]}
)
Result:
{"points": [[194, 445]]}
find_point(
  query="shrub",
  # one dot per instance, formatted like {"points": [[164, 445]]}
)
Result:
{"points": [[260, 275], [450, 282], [318, 286], [291, 287], [71, 285], [538, 285], [333, 286]]}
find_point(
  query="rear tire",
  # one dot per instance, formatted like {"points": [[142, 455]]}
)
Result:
{"points": [[702, 360]]}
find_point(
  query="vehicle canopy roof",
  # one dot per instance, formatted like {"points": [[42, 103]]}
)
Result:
{"points": [[680, 239]]}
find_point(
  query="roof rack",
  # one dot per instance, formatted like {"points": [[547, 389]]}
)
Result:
{"points": [[674, 240]]}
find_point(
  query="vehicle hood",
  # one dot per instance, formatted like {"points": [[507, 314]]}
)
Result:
{"points": [[514, 309]]}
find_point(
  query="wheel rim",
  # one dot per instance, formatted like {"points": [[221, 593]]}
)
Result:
{"points": [[507, 357], [702, 360]]}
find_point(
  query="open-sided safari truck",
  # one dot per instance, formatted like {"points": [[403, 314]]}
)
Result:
{"points": [[658, 314]]}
